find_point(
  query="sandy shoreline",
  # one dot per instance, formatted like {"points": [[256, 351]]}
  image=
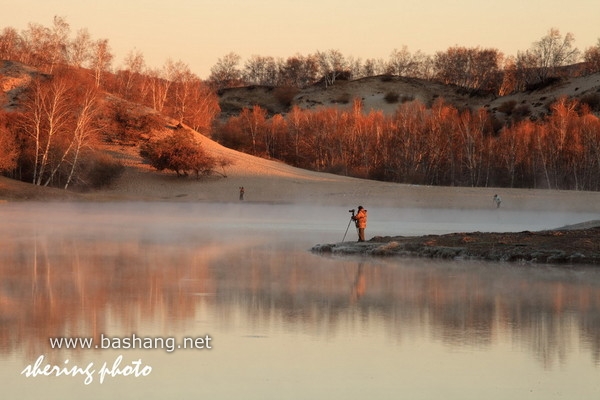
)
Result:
{"points": [[307, 188]]}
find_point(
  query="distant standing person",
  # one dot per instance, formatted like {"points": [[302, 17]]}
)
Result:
{"points": [[360, 219], [242, 193], [497, 200]]}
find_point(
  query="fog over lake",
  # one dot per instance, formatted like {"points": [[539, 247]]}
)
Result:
{"points": [[285, 323]]}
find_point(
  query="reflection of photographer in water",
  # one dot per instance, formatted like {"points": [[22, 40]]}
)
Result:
{"points": [[360, 219], [359, 285]]}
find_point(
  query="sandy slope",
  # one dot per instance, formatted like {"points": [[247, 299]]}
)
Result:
{"points": [[372, 91]]}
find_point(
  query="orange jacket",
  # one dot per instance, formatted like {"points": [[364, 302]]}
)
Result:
{"points": [[361, 218]]}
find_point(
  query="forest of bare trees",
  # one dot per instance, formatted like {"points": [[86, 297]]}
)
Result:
{"points": [[63, 111], [440, 145], [49, 139]]}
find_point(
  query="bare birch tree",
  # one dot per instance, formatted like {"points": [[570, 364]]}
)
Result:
{"points": [[84, 129], [58, 120], [592, 58], [10, 44], [80, 52], [131, 77], [259, 70], [553, 51], [226, 72], [204, 107], [101, 59], [47, 114], [253, 122], [181, 98], [58, 42], [402, 63], [332, 64]]}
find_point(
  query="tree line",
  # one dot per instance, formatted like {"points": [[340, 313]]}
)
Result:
{"points": [[475, 68], [440, 145]]}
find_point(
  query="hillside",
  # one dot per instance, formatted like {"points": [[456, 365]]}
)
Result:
{"points": [[273, 181], [14, 77], [372, 91]]}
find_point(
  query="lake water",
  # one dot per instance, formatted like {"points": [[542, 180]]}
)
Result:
{"points": [[268, 319]]}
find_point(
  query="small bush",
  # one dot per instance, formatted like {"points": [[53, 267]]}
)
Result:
{"points": [[343, 98], [147, 123], [96, 171], [103, 172], [285, 95], [343, 75], [178, 152], [391, 97], [507, 107], [521, 112], [9, 148], [496, 124], [592, 100], [548, 105], [542, 84], [125, 127]]}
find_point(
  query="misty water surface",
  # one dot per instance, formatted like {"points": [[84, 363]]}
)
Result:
{"points": [[286, 323]]}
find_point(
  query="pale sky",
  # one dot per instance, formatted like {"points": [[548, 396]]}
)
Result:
{"points": [[199, 32]]}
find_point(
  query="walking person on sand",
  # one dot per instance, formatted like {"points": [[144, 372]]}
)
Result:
{"points": [[497, 200], [242, 193]]}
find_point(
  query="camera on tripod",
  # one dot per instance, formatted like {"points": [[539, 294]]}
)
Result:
{"points": [[352, 211]]}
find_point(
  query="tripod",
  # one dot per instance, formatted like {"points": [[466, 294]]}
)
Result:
{"points": [[348, 227]]}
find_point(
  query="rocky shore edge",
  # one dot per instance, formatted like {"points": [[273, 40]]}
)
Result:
{"points": [[570, 245]]}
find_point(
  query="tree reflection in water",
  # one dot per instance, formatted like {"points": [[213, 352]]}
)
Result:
{"points": [[84, 283]]}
